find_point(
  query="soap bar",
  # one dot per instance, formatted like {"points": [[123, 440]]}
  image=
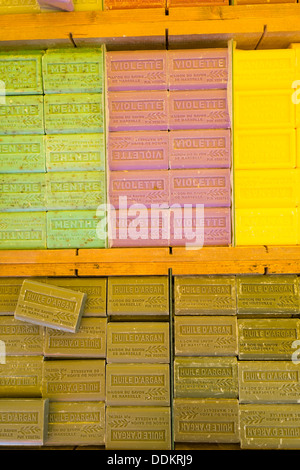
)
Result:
{"points": [[87, 5], [206, 420], [88, 342], [198, 68], [21, 338], [267, 339], [138, 110], [195, 3], [21, 72], [84, 152], [74, 380], [270, 426], [23, 422], [268, 381], [138, 427], [22, 192], [9, 293], [48, 305], [136, 70], [205, 336], [138, 295], [76, 423], [18, 6], [138, 384], [138, 150], [74, 113], [138, 342], [21, 377], [204, 295], [22, 154], [211, 187], [132, 4], [23, 230], [208, 148], [272, 294], [81, 190], [60, 5], [76, 70], [22, 115], [198, 109], [75, 229]]}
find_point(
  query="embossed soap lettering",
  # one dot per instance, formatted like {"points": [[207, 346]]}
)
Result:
{"points": [[11, 417], [206, 427], [69, 157], [269, 333], [19, 148], [18, 381], [273, 431], [267, 288], [196, 104], [138, 380], [139, 290], [138, 337], [73, 387], [47, 300], [75, 108], [75, 417], [147, 105], [90, 343], [205, 290], [138, 435], [76, 186], [138, 185], [199, 143], [21, 235], [200, 182], [206, 330], [73, 68], [205, 63], [139, 155], [19, 329], [194, 371], [136, 65], [9, 290], [61, 224], [19, 110], [20, 187], [270, 376]]}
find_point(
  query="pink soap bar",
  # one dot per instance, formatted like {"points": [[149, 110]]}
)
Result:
{"points": [[138, 110], [204, 148], [136, 70], [210, 187], [139, 187], [198, 109], [140, 150], [198, 68]]}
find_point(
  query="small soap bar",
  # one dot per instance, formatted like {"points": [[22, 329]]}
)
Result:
{"points": [[74, 380], [74, 113], [9, 293], [206, 420], [138, 110], [88, 342], [21, 338], [138, 384], [138, 150], [205, 336], [21, 71], [22, 115], [23, 422], [48, 305], [204, 295], [138, 342], [21, 377], [19, 6], [87, 5], [76, 424], [132, 4], [22, 192], [267, 339], [23, 230], [138, 427], [22, 154]]}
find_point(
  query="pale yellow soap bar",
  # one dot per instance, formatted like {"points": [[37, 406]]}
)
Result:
{"points": [[21, 376]]}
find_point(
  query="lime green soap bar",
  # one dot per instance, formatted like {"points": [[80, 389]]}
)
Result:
{"points": [[21, 377], [22, 154], [21, 338], [22, 114], [21, 72], [22, 192], [23, 230]]}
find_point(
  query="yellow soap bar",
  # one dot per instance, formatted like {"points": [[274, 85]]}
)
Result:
{"points": [[21, 377], [87, 5], [19, 6], [9, 294]]}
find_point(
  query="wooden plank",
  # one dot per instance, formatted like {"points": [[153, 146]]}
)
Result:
{"points": [[37, 256], [41, 270], [122, 269]]}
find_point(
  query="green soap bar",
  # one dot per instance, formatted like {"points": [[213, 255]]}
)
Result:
{"points": [[21, 376], [22, 192], [21, 72], [204, 295], [76, 229], [19, 6], [271, 294], [9, 293], [138, 295], [21, 338], [23, 422], [89, 341], [22, 230], [205, 377], [75, 190], [76, 423], [82, 152], [22, 115], [74, 380], [78, 70], [74, 113], [22, 154]]}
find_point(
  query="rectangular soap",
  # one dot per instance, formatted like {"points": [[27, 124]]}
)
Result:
{"points": [[132, 4], [21, 72], [204, 295], [198, 109], [21, 115], [142, 150], [76, 424], [22, 192], [23, 422], [22, 154], [21, 338], [138, 110], [74, 113], [88, 342], [138, 385], [195, 3], [205, 336], [138, 342], [22, 230], [74, 380], [138, 427], [206, 148], [267, 339], [19, 6], [48, 305], [206, 420], [87, 5], [9, 293], [21, 377]]}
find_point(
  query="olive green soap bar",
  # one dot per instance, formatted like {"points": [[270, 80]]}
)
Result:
{"points": [[138, 384], [9, 293], [74, 380], [21, 72], [48, 305], [21, 338], [138, 342], [76, 423], [213, 335], [23, 422], [22, 154], [204, 295], [23, 230], [21, 377], [22, 115], [22, 192]]}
